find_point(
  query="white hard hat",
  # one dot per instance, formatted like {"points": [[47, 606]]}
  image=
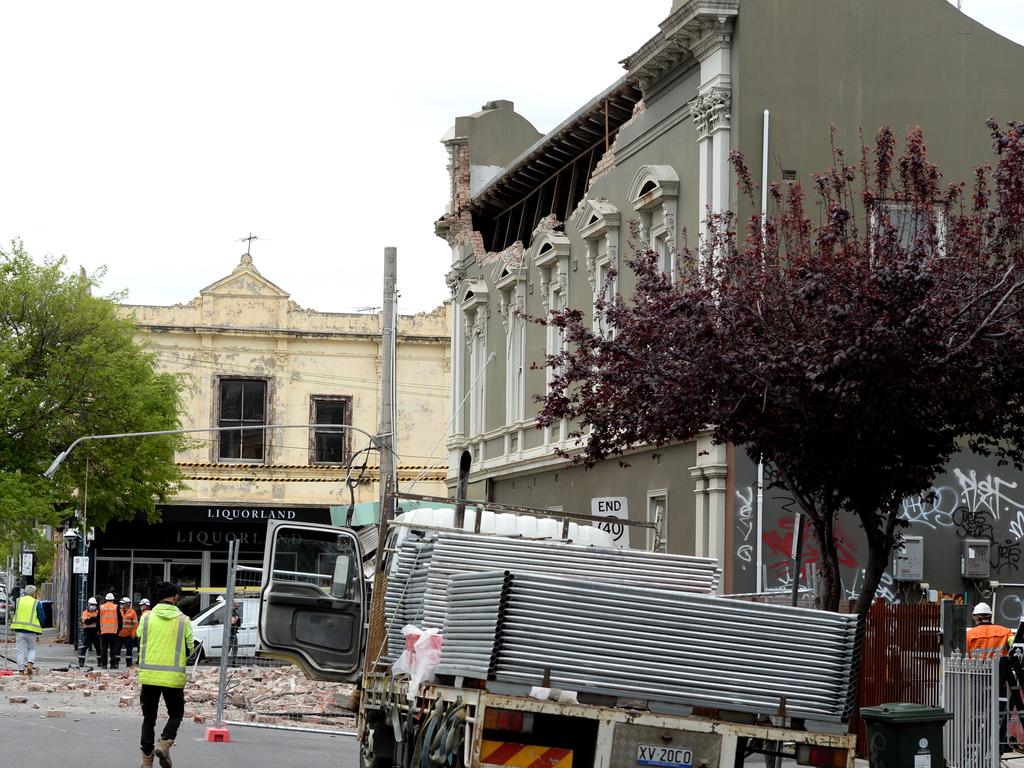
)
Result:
{"points": [[109, 596], [126, 599], [982, 609], [144, 601], [92, 601]]}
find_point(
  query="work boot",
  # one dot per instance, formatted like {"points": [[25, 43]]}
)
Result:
{"points": [[147, 760], [30, 669], [163, 752]]}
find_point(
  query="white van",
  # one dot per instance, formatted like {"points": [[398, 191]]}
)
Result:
{"points": [[208, 629]]}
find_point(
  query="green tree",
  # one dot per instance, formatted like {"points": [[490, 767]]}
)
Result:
{"points": [[70, 366]]}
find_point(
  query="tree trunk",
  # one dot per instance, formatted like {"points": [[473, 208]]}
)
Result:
{"points": [[823, 528], [880, 530]]}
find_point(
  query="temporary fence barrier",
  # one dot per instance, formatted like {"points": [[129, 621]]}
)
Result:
{"points": [[263, 692], [417, 591], [970, 691], [900, 659], [665, 646]]}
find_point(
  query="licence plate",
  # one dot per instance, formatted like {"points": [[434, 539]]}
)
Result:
{"points": [[667, 757]]}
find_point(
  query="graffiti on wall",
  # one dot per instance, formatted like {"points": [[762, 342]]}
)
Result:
{"points": [[744, 527], [964, 503]]}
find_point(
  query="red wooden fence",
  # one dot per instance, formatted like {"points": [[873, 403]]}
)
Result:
{"points": [[900, 660]]}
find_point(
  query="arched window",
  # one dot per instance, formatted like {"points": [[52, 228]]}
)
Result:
{"points": [[654, 194], [598, 223]]}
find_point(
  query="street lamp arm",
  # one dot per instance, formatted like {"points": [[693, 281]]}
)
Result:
{"points": [[49, 473]]}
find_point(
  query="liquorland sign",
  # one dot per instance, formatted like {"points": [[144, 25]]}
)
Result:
{"points": [[243, 514]]}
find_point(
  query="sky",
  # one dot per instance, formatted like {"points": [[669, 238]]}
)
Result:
{"points": [[148, 138]]}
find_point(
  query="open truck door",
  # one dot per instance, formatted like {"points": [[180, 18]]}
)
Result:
{"points": [[312, 600]]}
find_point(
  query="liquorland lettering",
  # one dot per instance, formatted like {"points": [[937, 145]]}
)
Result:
{"points": [[213, 538], [250, 514]]}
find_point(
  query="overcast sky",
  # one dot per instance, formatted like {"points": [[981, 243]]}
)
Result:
{"points": [[151, 137]]}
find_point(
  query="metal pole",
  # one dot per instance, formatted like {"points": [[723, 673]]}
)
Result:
{"points": [[225, 645], [387, 383], [798, 546]]}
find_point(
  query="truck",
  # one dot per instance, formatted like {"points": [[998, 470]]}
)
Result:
{"points": [[322, 608]]}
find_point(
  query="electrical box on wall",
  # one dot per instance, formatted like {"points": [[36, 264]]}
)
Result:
{"points": [[908, 560], [974, 562]]}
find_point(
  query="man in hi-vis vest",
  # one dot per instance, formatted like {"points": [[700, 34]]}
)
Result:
{"points": [[165, 642], [27, 626]]}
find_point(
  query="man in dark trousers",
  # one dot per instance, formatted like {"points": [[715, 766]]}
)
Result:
{"points": [[110, 626], [236, 624], [165, 642], [90, 631]]}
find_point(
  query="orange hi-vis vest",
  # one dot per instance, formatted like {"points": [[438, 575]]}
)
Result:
{"points": [[90, 619], [129, 623], [987, 640], [108, 619]]}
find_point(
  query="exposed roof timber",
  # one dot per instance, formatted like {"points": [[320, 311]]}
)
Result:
{"points": [[563, 145]]}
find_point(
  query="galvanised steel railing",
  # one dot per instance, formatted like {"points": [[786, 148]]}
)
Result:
{"points": [[970, 691], [418, 588], [621, 640]]}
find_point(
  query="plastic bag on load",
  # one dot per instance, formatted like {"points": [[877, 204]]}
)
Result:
{"points": [[420, 658]]}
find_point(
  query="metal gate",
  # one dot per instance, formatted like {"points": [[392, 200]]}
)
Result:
{"points": [[900, 659], [970, 691]]}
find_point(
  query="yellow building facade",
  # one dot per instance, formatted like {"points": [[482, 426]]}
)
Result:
{"points": [[250, 357]]}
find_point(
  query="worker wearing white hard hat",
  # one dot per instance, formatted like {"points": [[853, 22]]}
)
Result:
{"points": [[90, 631], [985, 639], [110, 626], [144, 607]]}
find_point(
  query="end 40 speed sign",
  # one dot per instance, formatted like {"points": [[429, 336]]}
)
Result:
{"points": [[612, 506]]}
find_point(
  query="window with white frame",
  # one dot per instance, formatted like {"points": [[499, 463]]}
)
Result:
{"points": [[549, 255], [909, 224], [598, 225], [657, 513], [512, 287], [475, 313], [654, 195]]}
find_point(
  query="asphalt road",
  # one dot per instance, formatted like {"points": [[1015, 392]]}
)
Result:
{"points": [[99, 741]]}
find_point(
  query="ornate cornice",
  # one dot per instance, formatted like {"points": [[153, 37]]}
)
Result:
{"points": [[453, 279], [711, 111]]}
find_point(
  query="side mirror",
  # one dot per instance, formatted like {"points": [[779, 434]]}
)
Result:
{"points": [[342, 576]]}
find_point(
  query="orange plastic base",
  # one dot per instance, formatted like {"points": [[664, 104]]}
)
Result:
{"points": [[218, 734], [5, 672]]}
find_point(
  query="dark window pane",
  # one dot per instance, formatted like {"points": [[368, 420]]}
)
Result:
{"points": [[330, 447], [230, 442], [252, 444], [231, 400], [253, 399], [330, 412]]}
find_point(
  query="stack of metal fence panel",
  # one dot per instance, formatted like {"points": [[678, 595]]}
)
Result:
{"points": [[403, 600], [418, 585], [659, 645]]}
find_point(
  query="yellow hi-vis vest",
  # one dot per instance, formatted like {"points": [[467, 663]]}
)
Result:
{"points": [[164, 644], [25, 617]]}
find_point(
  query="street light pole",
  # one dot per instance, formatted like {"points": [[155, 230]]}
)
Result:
{"points": [[52, 470]]}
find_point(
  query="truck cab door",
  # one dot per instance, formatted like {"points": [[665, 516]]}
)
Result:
{"points": [[312, 600]]}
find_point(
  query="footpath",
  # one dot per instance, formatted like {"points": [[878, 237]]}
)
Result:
{"points": [[278, 695]]}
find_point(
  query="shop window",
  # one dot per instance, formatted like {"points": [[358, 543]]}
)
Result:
{"points": [[330, 446], [243, 403]]}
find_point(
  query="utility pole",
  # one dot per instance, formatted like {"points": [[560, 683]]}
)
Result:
{"points": [[386, 433]]}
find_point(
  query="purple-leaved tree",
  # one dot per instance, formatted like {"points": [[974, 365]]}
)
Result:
{"points": [[856, 355]]}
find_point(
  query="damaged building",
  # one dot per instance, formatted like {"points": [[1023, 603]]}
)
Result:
{"points": [[536, 222]]}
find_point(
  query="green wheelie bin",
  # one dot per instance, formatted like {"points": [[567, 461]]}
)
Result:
{"points": [[905, 735]]}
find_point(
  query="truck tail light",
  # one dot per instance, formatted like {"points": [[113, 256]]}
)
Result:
{"points": [[821, 757]]}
